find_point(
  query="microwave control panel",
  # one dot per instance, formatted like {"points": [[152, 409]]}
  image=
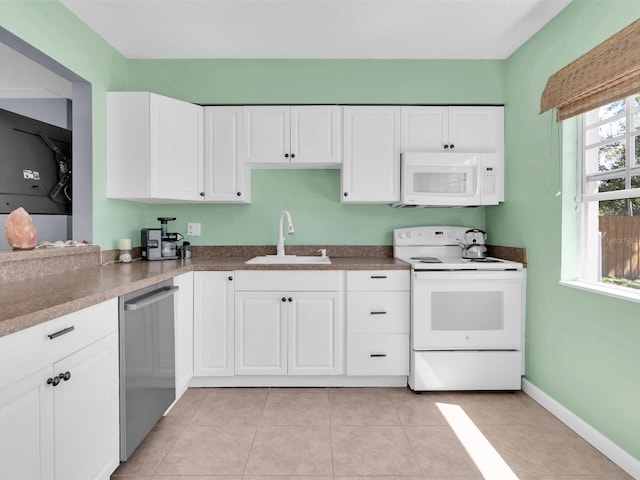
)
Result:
{"points": [[489, 181]]}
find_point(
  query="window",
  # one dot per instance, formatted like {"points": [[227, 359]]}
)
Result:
{"points": [[610, 194]]}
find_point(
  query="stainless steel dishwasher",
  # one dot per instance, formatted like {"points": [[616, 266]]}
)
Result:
{"points": [[147, 362]]}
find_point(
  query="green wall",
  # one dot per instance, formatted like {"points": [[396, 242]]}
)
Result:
{"points": [[313, 196], [581, 348]]}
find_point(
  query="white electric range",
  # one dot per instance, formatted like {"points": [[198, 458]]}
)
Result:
{"points": [[466, 315]]}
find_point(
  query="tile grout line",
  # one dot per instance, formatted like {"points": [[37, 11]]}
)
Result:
{"points": [[333, 471], [183, 427], [404, 432], [255, 434]]}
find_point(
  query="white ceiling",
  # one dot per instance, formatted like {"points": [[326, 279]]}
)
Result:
{"points": [[384, 29]]}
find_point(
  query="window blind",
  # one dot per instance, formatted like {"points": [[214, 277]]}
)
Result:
{"points": [[605, 73]]}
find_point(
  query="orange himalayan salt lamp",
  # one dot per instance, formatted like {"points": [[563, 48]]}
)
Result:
{"points": [[21, 234]]}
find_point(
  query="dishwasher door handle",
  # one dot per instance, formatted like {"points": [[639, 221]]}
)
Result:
{"points": [[153, 298]]}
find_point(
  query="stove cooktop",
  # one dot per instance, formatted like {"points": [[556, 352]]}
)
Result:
{"points": [[438, 248]]}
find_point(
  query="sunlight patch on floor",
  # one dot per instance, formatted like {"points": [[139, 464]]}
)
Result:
{"points": [[487, 459]]}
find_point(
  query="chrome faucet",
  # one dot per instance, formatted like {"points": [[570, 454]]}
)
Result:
{"points": [[290, 231]]}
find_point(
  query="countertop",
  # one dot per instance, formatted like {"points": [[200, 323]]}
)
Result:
{"points": [[31, 301]]}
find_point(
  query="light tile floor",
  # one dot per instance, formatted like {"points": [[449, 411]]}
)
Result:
{"points": [[343, 433]]}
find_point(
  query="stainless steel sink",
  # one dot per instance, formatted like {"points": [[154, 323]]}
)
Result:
{"points": [[289, 259]]}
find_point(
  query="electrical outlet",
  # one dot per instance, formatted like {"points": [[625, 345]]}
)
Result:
{"points": [[193, 229]]}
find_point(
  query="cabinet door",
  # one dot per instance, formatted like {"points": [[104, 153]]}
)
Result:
{"points": [[476, 129], [176, 149], [26, 428], [183, 306], [266, 134], [86, 412], [226, 179], [315, 333], [424, 129], [213, 310], [371, 162], [315, 135], [260, 333]]}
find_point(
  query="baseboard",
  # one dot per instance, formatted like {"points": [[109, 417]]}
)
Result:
{"points": [[617, 455]]}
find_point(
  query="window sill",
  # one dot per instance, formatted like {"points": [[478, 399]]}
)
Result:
{"points": [[618, 292]]}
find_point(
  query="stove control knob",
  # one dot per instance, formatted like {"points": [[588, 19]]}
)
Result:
{"points": [[410, 235], [401, 235]]}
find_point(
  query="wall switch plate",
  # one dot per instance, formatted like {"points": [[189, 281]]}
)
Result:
{"points": [[193, 229]]}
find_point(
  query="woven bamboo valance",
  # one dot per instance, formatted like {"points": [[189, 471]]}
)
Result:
{"points": [[605, 73]]}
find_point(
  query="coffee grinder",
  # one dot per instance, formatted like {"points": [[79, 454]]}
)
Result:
{"points": [[157, 243]]}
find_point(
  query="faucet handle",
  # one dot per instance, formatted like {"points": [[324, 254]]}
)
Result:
{"points": [[322, 252]]}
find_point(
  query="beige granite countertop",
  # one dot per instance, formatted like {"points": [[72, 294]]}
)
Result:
{"points": [[30, 301]]}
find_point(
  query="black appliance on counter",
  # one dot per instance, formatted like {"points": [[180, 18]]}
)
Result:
{"points": [[157, 243]]}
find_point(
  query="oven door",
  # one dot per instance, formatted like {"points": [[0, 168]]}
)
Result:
{"points": [[467, 310]]}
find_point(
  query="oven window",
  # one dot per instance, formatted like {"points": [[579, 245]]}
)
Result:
{"points": [[440, 182], [467, 311]]}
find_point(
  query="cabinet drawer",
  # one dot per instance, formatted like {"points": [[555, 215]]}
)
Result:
{"points": [[288, 281], [28, 350], [378, 280], [378, 312], [377, 354]]}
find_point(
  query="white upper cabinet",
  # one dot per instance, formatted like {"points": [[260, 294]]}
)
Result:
{"points": [[456, 129], [226, 177], [292, 136], [371, 168], [155, 148]]}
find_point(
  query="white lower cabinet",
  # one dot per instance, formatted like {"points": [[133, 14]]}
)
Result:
{"points": [[289, 323], [378, 317], [59, 397], [261, 333], [85, 420], [213, 314], [26, 428]]}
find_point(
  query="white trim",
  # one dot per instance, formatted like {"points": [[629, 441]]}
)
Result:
{"points": [[622, 293], [616, 454], [613, 195], [299, 381]]}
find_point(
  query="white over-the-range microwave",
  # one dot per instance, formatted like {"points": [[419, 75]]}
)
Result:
{"points": [[434, 179]]}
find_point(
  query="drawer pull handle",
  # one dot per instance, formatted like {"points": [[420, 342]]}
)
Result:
{"points": [[60, 333], [374, 355], [378, 313], [378, 276]]}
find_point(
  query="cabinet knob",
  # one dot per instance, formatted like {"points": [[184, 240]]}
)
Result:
{"points": [[239, 194], [346, 194], [290, 299], [65, 376], [446, 147], [202, 194], [230, 278], [286, 155], [53, 381], [452, 146], [284, 299], [293, 155]]}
